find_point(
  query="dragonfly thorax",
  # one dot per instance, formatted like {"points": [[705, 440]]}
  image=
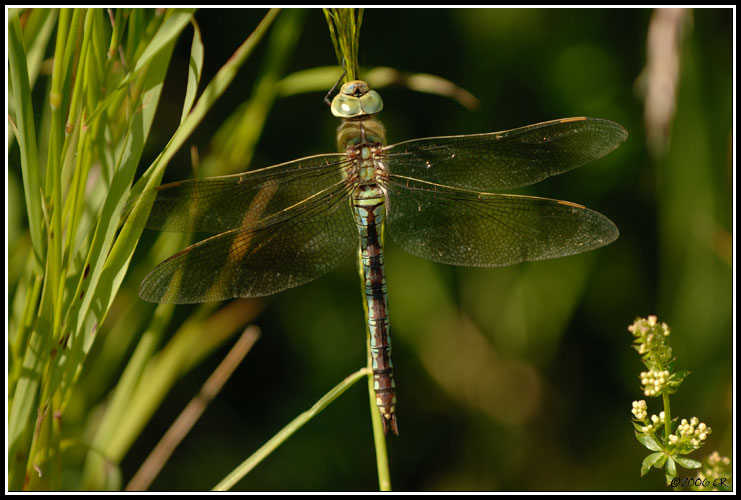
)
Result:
{"points": [[366, 165], [354, 132]]}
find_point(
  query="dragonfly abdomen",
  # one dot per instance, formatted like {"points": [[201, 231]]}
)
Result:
{"points": [[369, 210]]}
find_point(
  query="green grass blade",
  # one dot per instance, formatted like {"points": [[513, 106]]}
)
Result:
{"points": [[36, 36], [181, 352], [26, 137], [186, 348], [235, 141], [121, 398], [245, 467], [195, 67], [97, 287], [163, 39], [323, 77], [344, 29], [169, 31], [20, 414], [212, 92], [93, 255]]}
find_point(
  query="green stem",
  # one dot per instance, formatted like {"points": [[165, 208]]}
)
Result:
{"points": [[379, 437], [667, 418]]}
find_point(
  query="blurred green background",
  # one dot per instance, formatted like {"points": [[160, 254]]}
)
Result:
{"points": [[516, 378]]}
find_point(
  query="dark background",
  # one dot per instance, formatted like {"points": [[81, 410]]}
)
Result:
{"points": [[516, 378]]}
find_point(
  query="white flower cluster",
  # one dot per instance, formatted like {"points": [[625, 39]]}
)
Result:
{"points": [[653, 381], [646, 332], [639, 410], [693, 432], [656, 422]]}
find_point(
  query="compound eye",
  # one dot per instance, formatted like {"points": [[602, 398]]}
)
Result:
{"points": [[345, 106], [371, 103]]}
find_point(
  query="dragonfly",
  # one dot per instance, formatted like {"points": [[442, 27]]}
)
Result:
{"points": [[284, 225]]}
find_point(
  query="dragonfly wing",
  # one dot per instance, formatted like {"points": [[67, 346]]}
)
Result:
{"points": [[465, 228], [288, 249], [217, 204], [509, 159]]}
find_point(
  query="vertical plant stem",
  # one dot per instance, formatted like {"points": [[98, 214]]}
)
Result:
{"points": [[667, 418], [54, 168], [379, 437]]}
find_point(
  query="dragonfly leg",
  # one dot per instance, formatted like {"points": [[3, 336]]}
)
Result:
{"points": [[344, 72]]}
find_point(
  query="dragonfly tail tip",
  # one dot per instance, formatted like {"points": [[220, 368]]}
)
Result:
{"points": [[389, 420]]}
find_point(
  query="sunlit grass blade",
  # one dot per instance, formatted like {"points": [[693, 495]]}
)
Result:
{"points": [[195, 67], [323, 77], [265, 450], [174, 360], [121, 398], [233, 144], [79, 57], [212, 92], [21, 407], [36, 35], [95, 288], [68, 292], [165, 37], [21, 95]]}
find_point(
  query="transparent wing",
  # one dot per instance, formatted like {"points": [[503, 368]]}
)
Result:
{"points": [[288, 249], [465, 228], [218, 204], [505, 160]]}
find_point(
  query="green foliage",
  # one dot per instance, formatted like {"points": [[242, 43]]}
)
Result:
{"points": [[344, 28], [105, 87], [651, 340]]}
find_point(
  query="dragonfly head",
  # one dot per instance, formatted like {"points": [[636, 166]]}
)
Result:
{"points": [[356, 100]]}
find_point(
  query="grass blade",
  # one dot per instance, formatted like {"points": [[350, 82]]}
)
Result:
{"points": [[245, 467], [194, 70], [21, 96]]}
